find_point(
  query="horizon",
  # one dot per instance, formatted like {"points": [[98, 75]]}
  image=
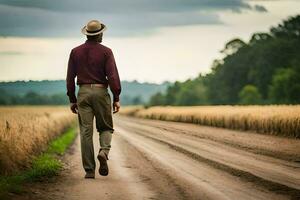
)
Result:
{"points": [[130, 81]]}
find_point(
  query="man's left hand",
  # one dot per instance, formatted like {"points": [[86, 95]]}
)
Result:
{"points": [[116, 107], [74, 108]]}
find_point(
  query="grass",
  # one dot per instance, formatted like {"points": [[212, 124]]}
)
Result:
{"points": [[60, 145], [25, 131], [44, 166], [281, 120]]}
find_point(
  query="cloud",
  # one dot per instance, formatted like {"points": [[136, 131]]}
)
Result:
{"points": [[57, 18], [126, 6], [260, 8]]}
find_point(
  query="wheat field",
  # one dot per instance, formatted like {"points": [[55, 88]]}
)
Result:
{"points": [[283, 120], [25, 131]]}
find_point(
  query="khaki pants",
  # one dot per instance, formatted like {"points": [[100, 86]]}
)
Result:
{"points": [[94, 102]]}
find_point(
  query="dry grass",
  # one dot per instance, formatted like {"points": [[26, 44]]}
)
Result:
{"points": [[25, 131], [283, 120], [130, 110]]}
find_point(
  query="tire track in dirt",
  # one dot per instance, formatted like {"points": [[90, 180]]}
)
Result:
{"points": [[287, 149], [274, 170], [142, 165]]}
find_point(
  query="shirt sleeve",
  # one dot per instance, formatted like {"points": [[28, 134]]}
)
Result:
{"points": [[113, 76], [70, 80]]}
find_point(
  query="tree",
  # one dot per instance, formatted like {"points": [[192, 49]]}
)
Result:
{"points": [[250, 95], [137, 100], [4, 97], [258, 37], [233, 46], [172, 92], [192, 92], [285, 87], [254, 63], [290, 28], [248, 73], [157, 99]]}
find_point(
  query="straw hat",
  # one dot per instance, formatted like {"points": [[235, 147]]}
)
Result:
{"points": [[93, 27]]}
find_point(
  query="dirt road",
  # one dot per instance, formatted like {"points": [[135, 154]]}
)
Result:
{"points": [[167, 160]]}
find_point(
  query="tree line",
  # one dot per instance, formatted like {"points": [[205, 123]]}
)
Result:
{"points": [[265, 70], [54, 92], [32, 98]]}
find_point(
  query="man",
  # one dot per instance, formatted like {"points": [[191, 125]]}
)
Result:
{"points": [[94, 66]]}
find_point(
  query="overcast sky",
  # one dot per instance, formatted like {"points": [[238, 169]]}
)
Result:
{"points": [[153, 40]]}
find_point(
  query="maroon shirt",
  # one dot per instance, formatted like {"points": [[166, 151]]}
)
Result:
{"points": [[92, 62]]}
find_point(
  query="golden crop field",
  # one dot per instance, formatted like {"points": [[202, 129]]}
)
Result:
{"points": [[130, 110], [26, 130], [283, 120]]}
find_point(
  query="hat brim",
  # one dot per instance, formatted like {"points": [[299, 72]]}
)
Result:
{"points": [[85, 32]]}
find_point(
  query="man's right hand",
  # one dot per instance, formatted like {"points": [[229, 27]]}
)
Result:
{"points": [[74, 108], [116, 106]]}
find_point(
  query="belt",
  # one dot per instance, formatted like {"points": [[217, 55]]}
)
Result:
{"points": [[94, 85]]}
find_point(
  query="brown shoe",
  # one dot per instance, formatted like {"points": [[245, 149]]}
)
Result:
{"points": [[89, 175], [103, 169]]}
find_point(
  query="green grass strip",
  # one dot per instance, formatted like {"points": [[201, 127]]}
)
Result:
{"points": [[45, 165], [60, 145]]}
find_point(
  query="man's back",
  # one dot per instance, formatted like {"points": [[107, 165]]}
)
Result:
{"points": [[93, 63], [90, 59]]}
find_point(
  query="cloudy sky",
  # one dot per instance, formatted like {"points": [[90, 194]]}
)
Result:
{"points": [[153, 40]]}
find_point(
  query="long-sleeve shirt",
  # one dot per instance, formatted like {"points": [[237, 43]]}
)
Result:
{"points": [[92, 63]]}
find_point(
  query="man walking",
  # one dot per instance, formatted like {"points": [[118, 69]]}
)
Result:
{"points": [[94, 66]]}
